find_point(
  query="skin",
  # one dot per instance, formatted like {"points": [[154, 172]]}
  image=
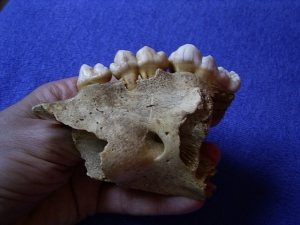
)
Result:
{"points": [[43, 178]]}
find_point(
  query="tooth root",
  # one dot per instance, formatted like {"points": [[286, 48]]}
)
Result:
{"points": [[125, 67], [186, 58], [149, 61], [88, 75]]}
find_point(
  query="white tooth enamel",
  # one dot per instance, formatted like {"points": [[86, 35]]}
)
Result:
{"points": [[149, 61], [218, 76], [208, 63], [214, 76], [88, 75], [125, 67], [185, 59], [235, 81]]}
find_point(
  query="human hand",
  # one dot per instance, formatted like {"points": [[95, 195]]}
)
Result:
{"points": [[43, 178]]}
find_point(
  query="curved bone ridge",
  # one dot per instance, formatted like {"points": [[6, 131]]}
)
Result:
{"points": [[88, 75]]}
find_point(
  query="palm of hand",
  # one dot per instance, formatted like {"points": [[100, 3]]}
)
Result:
{"points": [[43, 176]]}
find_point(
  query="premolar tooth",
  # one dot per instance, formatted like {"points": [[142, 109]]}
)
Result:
{"points": [[209, 72], [208, 63], [149, 61], [218, 76], [232, 82], [89, 75], [185, 59], [125, 66]]}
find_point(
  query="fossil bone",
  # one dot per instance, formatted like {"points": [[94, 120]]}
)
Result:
{"points": [[125, 66], [147, 137], [149, 61], [88, 75]]}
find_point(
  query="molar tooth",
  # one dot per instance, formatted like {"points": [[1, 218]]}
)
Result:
{"points": [[149, 61], [185, 59], [125, 66], [88, 75]]}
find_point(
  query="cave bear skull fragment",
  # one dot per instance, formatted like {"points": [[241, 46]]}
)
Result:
{"points": [[144, 131]]}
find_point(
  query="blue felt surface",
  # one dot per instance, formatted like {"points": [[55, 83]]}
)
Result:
{"points": [[258, 178]]}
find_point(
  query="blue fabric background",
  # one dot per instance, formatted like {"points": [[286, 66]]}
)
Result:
{"points": [[258, 177]]}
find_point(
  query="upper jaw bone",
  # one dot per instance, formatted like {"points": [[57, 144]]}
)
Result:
{"points": [[186, 58], [125, 66], [149, 61], [88, 75]]}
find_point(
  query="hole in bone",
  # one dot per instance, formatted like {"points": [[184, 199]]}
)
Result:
{"points": [[157, 139], [90, 147], [153, 144]]}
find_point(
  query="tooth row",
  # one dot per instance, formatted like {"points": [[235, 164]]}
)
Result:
{"points": [[145, 63], [186, 58]]}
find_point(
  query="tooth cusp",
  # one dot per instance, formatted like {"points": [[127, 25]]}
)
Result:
{"points": [[232, 82], [185, 59], [89, 75], [125, 66], [149, 61]]}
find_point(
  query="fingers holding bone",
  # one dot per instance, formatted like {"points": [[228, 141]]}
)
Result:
{"points": [[89, 75], [149, 61]]}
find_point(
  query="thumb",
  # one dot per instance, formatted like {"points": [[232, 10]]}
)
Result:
{"points": [[49, 92]]}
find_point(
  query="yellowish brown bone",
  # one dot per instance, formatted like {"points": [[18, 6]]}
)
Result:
{"points": [[146, 133]]}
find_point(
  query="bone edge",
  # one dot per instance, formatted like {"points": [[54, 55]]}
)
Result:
{"points": [[40, 110]]}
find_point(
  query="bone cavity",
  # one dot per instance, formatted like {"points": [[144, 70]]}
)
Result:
{"points": [[88, 75], [125, 66], [149, 61]]}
